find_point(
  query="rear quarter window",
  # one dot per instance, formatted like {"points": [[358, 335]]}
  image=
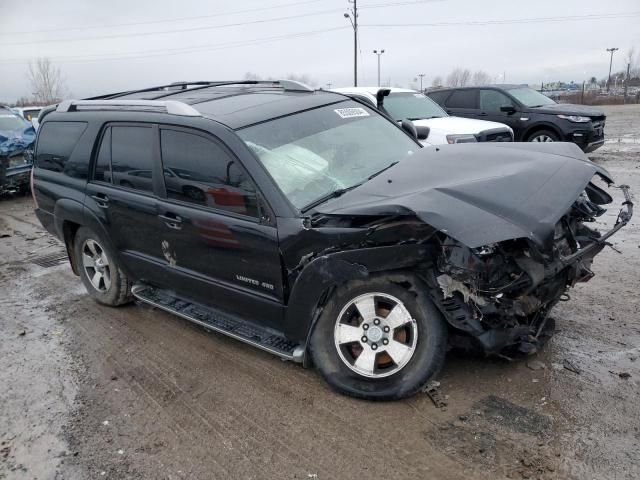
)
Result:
{"points": [[439, 97], [56, 143]]}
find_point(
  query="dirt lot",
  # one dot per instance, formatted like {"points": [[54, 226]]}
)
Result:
{"points": [[92, 392]]}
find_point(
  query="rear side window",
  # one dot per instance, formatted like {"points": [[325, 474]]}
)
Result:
{"points": [[56, 143], [439, 97], [131, 157], [463, 99], [199, 170]]}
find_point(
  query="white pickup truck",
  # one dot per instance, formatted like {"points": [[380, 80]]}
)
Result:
{"points": [[403, 104]]}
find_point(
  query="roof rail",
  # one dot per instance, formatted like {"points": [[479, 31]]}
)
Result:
{"points": [[172, 107], [172, 88]]}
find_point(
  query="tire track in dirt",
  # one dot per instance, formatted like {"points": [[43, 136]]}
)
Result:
{"points": [[316, 418], [176, 410]]}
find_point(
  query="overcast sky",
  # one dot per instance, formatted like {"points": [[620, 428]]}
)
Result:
{"points": [[87, 40]]}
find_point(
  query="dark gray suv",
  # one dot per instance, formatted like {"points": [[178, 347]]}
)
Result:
{"points": [[533, 116], [313, 227]]}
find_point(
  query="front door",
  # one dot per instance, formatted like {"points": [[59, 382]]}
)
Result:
{"points": [[491, 101], [215, 233]]}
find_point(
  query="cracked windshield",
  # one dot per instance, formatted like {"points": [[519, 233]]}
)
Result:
{"points": [[315, 153]]}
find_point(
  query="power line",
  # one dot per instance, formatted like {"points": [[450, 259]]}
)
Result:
{"points": [[178, 51], [603, 16], [151, 22], [394, 4], [179, 30], [194, 29]]}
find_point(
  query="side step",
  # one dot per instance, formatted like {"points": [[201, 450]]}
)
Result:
{"points": [[210, 318]]}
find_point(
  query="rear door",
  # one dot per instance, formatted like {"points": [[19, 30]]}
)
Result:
{"points": [[121, 194], [490, 103], [463, 103], [222, 245]]}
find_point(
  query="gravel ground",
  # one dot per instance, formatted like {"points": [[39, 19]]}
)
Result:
{"points": [[93, 392]]}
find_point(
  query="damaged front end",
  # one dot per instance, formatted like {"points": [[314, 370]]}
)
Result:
{"points": [[501, 294]]}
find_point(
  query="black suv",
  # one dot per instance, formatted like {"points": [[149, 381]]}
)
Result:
{"points": [[311, 226], [532, 116]]}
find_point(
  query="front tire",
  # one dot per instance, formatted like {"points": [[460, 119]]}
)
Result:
{"points": [[379, 339], [99, 270]]}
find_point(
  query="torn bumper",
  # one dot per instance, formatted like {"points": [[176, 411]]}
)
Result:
{"points": [[501, 295]]}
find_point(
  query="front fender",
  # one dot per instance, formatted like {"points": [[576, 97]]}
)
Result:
{"points": [[324, 273]]}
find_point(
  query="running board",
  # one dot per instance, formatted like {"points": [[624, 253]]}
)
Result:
{"points": [[220, 322]]}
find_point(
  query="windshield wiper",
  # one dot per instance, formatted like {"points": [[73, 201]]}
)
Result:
{"points": [[329, 196], [379, 172], [342, 191]]}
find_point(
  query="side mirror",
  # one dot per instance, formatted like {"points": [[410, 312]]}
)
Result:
{"points": [[423, 132], [410, 128], [380, 94], [508, 109]]}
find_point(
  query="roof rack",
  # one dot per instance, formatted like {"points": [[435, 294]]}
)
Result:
{"points": [[171, 107], [174, 88]]}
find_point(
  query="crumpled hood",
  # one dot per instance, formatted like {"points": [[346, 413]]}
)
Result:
{"points": [[16, 141], [569, 109], [459, 125], [479, 193]]}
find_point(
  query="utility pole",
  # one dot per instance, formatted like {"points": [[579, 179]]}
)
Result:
{"points": [[421, 75], [611, 51], [379, 54], [353, 18], [329, 85]]}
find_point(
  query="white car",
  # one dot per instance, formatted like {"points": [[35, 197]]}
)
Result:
{"points": [[403, 104], [30, 114]]}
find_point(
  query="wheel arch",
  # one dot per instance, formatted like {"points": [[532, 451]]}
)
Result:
{"points": [[69, 217], [323, 274], [539, 127]]}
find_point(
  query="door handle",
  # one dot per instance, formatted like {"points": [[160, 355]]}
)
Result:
{"points": [[172, 221], [483, 114], [101, 199]]}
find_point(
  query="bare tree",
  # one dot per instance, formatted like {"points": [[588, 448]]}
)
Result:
{"points": [[459, 77], [252, 76], [437, 81], [630, 57], [453, 79], [465, 77], [480, 78], [47, 83]]}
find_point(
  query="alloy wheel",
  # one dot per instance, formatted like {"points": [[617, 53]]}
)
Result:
{"points": [[542, 138], [375, 335], [96, 265]]}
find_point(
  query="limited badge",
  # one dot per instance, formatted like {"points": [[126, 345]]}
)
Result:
{"points": [[351, 112]]}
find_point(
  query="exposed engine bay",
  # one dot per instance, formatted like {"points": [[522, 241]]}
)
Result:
{"points": [[502, 293]]}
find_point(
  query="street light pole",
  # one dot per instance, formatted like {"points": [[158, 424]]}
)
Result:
{"points": [[353, 18], [379, 54], [421, 75], [611, 51]]}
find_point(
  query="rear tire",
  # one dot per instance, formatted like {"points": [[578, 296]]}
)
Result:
{"points": [[99, 270], [407, 346], [543, 136]]}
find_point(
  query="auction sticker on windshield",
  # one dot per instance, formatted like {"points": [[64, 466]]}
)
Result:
{"points": [[351, 112]]}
